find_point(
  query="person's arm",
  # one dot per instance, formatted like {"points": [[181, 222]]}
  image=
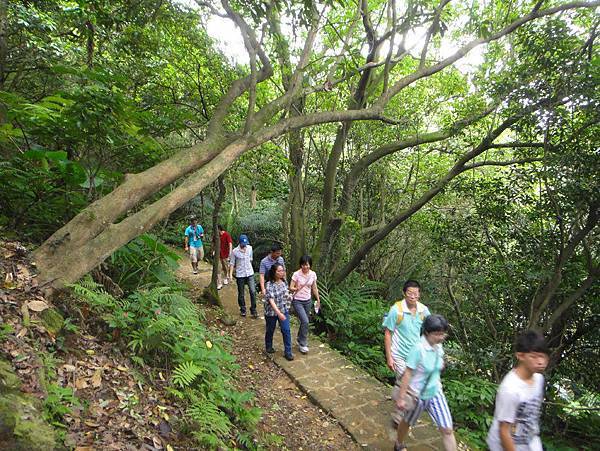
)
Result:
{"points": [[230, 272], [387, 343], [280, 315], [186, 247], [231, 262], [315, 291], [261, 279], [293, 285], [508, 444], [403, 388]]}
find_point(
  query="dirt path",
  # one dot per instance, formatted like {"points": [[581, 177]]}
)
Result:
{"points": [[290, 420]]}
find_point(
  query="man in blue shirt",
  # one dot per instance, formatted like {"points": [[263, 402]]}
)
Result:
{"points": [[402, 327], [193, 242], [265, 264]]}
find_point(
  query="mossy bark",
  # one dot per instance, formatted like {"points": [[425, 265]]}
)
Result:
{"points": [[22, 427]]}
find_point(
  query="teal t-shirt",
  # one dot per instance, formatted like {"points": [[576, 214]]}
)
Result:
{"points": [[426, 361], [406, 334], [194, 238]]}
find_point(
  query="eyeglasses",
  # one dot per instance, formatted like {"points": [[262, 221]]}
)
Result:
{"points": [[439, 334]]}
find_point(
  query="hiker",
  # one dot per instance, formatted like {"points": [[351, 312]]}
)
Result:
{"points": [[516, 424], [304, 287], [225, 248], [402, 327], [265, 264], [193, 242], [421, 389], [241, 261], [277, 309]]}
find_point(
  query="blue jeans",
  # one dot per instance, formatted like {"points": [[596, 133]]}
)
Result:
{"points": [[285, 331], [302, 309], [241, 281]]}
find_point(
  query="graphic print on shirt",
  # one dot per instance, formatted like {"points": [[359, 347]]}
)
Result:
{"points": [[525, 428]]}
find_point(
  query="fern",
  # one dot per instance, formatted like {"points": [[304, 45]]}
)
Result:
{"points": [[94, 294], [213, 425], [185, 374]]}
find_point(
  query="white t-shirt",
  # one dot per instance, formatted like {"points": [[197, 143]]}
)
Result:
{"points": [[304, 282], [520, 404]]}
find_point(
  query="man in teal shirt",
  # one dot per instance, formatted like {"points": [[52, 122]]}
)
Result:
{"points": [[402, 327], [193, 242]]}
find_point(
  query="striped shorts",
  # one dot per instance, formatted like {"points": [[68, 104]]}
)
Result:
{"points": [[436, 407]]}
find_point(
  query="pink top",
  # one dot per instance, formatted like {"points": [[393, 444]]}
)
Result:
{"points": [[304, 283]]}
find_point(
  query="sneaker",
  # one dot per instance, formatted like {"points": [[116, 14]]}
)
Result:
{"points": [[243, 313], [255, 315], [225, 281], [302, 349], [270, 351], [195, 272], [289, 357], [219, 286]]}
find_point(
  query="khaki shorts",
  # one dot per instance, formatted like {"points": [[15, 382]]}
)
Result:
{"points": [[196, 253], [397, 414]]}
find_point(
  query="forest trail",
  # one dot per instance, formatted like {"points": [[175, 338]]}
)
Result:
{"points": [[359, 403]]}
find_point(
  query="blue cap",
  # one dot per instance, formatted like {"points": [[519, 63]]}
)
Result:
{"points": [[244, 240]]}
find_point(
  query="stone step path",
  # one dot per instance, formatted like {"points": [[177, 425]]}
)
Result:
{"points": [[359, 402]]}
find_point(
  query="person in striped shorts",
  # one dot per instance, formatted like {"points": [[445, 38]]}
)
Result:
{"points": [[424, 364]]}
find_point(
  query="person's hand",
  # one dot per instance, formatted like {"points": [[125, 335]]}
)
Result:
{"points": [[391, 364], [281, 316], [318, 305], [401, 403], [186, 248]]}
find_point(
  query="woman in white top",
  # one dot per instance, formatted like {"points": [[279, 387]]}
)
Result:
{"points": [[304, 286]]}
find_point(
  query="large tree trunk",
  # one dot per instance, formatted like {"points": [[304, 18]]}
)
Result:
{"points": [[297, 235], [211, 292], [94, 234]]}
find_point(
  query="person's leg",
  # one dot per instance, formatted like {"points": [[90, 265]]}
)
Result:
{"points": [[410, 418], [398, 414], [241, 282], [225, 269], [271, 323], [303, 310], [194, 259], [439, 412], [287, 336], [401, 433], [200, 255], [252, 289]]}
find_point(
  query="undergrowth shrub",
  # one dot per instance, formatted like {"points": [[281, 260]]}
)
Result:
{"points": [[351, 319], [162, 327], [144, 261], [471, 400]]}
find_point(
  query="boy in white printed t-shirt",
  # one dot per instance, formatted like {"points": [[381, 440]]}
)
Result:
{"points": [[516, 425]]}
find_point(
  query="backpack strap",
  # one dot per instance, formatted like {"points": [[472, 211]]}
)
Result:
{"points": [[400, 316], [420, 311]]}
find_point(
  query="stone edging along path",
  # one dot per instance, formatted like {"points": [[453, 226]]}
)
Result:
{"points": [[359, 402]]}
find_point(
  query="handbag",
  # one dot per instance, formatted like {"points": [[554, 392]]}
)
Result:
{"points": [[411, 398]]}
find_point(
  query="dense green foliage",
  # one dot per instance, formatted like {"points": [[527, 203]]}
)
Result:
{"points": [[91, 92]]}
